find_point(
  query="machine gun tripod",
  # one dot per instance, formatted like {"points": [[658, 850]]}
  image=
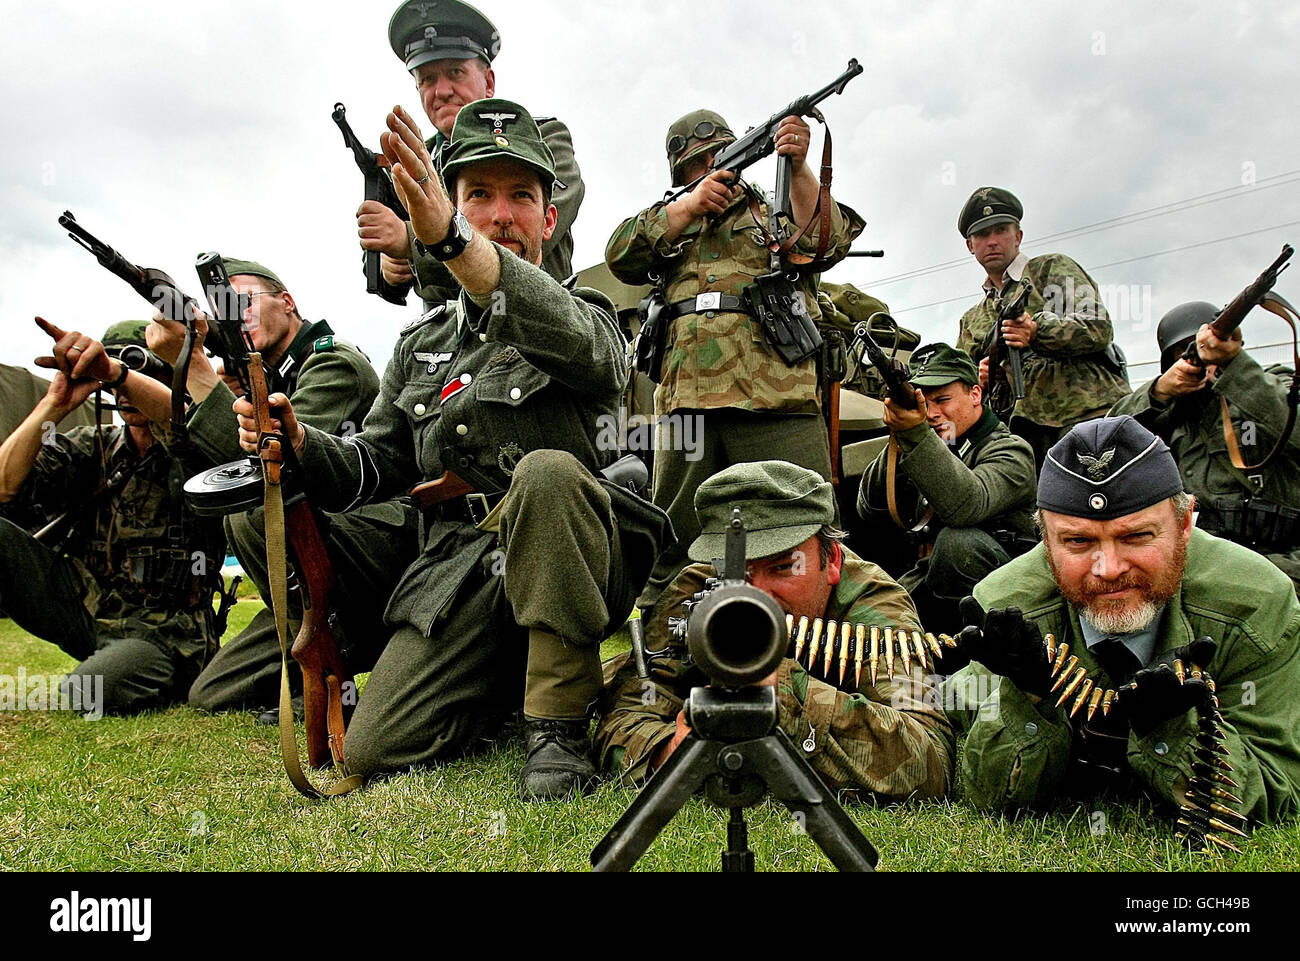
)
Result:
{"points": [[737, 635]]}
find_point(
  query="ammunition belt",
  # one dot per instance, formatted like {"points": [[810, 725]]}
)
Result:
{"points": [[702, 303], [899, 646]]}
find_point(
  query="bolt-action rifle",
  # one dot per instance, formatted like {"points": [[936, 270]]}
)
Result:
{"points": [[379, 187], [1231, 316]]}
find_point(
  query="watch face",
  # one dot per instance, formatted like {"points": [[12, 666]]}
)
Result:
{"points": [[458, 237]]}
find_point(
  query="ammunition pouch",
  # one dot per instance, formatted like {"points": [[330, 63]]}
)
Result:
{"points": [[652, 337], [1252, 522], [835, 357], [1098, 760], [779, 307]]}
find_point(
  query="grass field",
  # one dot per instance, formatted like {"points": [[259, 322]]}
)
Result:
{"points": [[180, 790]]}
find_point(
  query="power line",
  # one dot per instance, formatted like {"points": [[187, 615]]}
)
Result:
{"points": [[1130, 260], [1122, 220]]}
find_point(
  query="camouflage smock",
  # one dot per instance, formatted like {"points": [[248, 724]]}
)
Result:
{"points": [[1018, 753], [720, 359], [889, 739], [1192, 426], [1066, 378], [131, 588]]}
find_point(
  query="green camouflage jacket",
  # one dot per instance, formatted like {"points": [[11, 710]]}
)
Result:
{"points": [[988, 480], [1066, 379], [1192, 426], [485, 385], [1018, 753], [434, 282], [889, 739], [719, 359], [148, 566]]}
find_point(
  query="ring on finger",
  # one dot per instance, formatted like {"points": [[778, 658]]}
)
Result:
{"points": [[421, 183]]}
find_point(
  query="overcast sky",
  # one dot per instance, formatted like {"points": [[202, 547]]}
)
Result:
{"points": [[172, 128]]}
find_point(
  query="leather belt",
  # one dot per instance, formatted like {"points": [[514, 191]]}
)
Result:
{"points": [[470, 509], [705, 302]]}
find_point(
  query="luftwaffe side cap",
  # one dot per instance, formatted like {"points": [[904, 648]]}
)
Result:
{"points": [[781, 504], [488, 129], [250, 268], [936, 365], [1107, 468], [988, 206], [422, 31], [126, 333]]}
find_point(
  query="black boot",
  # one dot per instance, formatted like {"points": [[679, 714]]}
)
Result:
{"points": [[559, 762]]}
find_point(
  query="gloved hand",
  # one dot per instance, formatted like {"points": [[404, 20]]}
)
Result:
{"points": [[1156, 694], [1006, 644]]}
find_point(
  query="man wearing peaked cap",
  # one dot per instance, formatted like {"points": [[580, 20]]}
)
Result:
{"points": [[1072, 369], [506, 388], [114, 582], [449, 47], [1127, 581], [1259, 507], [888, 738], [962, 486]]}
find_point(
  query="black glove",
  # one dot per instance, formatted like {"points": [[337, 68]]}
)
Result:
{"points": [[1006, 644], [1156, 694]]}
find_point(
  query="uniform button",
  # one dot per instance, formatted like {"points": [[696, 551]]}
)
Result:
{"points": [[714, 256], [1031, 728], [710, 315], [482, 338], [467, 379], [1162, 748], [420, 409], [712, 279], [462, 429], [516, 393]]}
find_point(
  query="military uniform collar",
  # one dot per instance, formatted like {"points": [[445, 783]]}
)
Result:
{"points": [[983, 427], [1015, 270], [302, 347], [1142, 644]]}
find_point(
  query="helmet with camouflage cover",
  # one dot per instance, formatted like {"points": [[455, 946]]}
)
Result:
{"points": [[125, 333], [1179, 326], [696, 133]]}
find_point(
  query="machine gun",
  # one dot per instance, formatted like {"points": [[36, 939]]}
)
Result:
{"points": [[1231, 316], [316, 648], [737, 636], [379, 187], [1006, 376]]}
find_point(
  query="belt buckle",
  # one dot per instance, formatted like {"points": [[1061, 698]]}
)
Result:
{"points": [[482, 501], [709, 301]]}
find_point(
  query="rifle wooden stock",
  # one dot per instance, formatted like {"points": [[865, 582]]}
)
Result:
{"points": [[1231, 316], [431, 493], [316, 647]]}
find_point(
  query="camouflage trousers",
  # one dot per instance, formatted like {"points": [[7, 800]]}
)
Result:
{"points": [[729, 436], [522, 625], [369, 548], [45, 595]]}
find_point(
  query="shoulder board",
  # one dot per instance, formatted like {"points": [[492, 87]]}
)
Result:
{"points": [[323, 343], [571, 283], [432, 314]]}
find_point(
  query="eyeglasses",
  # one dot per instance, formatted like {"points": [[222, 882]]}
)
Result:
{"points": [[263, 293], [703, 131]]}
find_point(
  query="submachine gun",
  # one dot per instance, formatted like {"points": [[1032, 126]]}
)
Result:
{"points": [[258, 480], [1006, 374], [736, 635], [378, 187]]}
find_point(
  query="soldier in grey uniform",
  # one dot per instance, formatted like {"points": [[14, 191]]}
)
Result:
{"points": [[1186, 406], [128, 592], [964, 485], [520, 580], [333, 385], [448, 47]]}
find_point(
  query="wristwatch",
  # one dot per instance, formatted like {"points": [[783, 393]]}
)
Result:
{"points": [[459, 234], [118, 381]]}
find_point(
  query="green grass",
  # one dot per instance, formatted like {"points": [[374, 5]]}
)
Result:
{"points": [[180, 790]]}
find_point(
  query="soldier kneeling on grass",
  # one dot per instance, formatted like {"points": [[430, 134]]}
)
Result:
{"points": [[886, 736]]}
